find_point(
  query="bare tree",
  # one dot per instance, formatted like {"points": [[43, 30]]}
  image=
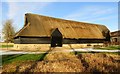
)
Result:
{"points": [[8, 31]]}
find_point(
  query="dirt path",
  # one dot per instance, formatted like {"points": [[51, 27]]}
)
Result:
{"points": [[9, 52]]}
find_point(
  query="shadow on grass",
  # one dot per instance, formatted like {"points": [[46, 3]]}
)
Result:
{"points": [[95, 71], [83, 61], [7, 58], [111, 68], [75, 52], [34, 64]]}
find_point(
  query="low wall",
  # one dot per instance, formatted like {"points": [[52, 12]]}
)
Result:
{"points": [[44, 47], [92, 45], [32, 47]]}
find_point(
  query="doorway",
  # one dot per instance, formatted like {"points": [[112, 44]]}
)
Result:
{"points": [[56, 38]]}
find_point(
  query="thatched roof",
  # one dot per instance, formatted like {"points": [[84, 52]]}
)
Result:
{"points": [[42, 26]]}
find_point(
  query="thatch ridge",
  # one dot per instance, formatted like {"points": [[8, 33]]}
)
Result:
{"points": [[64, 19]]}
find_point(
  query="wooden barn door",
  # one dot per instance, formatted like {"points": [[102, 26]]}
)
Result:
{"points": [[56, 38]]}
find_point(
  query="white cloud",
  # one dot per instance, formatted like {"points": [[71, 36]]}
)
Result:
{"points": [[105, 11], [96, 14], [13, 8], [91, 12], [103, 18], [17, 10]]}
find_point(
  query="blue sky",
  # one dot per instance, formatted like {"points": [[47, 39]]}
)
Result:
{"points": [[105, 13]]}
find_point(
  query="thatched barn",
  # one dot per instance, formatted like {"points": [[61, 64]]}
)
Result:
{"points": [[39, 29]]}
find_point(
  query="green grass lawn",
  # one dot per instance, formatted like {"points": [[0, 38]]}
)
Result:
{"points": [[5, 46], [21, 57], [115, 53], [110, 48]]}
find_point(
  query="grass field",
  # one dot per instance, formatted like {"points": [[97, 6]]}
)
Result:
{"points": [[98, 62], [5, 46], [6, 59], [114, 53], [62, 62], [20, 57], [111, 48]]}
